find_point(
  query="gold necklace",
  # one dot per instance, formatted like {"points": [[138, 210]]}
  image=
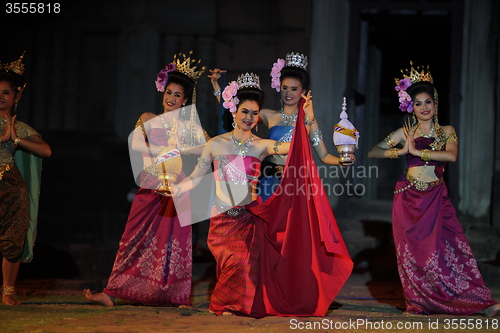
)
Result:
{"points": [[428, 135]]}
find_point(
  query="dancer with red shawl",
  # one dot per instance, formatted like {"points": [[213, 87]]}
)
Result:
{"points": [[281, 257], [153, 264], [291, 79], [436, 266]]}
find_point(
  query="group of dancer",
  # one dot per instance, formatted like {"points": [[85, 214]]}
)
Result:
{"points": [[280, 253]]}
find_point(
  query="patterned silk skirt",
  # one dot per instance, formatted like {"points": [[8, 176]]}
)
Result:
{"points": [[14, 214], [154, 260], [437, 268], [234, 242]]}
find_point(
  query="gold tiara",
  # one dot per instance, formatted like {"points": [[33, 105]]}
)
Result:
{"points": [[15, 66], [416, 74], [188, 66]]}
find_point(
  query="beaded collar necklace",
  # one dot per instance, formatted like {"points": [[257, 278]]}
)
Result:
{"points": [[241, 147], [288, 119], [428, 135]]}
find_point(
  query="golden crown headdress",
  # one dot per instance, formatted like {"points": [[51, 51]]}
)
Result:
{"points": [[248, 80], [416, 74], [296, 60], [188, 66], [15, 66]]}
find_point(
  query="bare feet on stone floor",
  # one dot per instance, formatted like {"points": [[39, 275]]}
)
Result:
{"points": [[492, 311], [99, 298], [9, 300]]}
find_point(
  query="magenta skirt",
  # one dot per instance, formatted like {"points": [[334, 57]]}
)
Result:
{"points": [[437, 268]]}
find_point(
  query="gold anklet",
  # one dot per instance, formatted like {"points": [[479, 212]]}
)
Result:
{"points": [[8, 290]]}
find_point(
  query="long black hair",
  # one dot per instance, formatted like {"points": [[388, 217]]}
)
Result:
{"points": [[297, 73], [251, 94], [421, 87]]}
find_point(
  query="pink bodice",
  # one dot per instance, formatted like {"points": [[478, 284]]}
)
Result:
{"points": [[237, 169]]}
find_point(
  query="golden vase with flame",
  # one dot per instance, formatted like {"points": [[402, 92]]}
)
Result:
{"points": [[168, 167]]}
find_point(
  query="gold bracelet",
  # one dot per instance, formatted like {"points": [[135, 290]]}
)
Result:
{"points": [[16, 141], [393, 153], [0, 141], [185, 149], [426, 155]]}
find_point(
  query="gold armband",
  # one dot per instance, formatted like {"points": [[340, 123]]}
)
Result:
{"points": [[393, 153], [389, 141], [426, 155]]}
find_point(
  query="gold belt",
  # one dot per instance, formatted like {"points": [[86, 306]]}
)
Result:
{"points": [[420, 185], [4, 168]]}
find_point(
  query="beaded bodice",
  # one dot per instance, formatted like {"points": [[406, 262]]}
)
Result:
{"points": [[236, 169]]}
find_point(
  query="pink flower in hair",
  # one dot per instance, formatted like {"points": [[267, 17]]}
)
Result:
{"points": [[229, 96], [405, 102], [403, 84], [162, 77], [276, 74]]}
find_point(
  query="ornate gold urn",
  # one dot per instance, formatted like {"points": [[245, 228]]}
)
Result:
{"points": [[168, 167]]}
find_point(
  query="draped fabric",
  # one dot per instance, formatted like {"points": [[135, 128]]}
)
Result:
{"points": [[271, 177], [437, 268], [304, 261], [292, 243], [30, 167]]}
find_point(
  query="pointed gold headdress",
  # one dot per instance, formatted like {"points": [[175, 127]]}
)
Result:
{"points": [[416, 74], [15, 66], [411, 76], [188, 66]]}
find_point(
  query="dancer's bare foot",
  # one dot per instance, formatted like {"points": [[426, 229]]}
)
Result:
{"points": [[9, 300], [183, 306], [227, 313], [8, 295], [99, 298], [492, 311]]}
